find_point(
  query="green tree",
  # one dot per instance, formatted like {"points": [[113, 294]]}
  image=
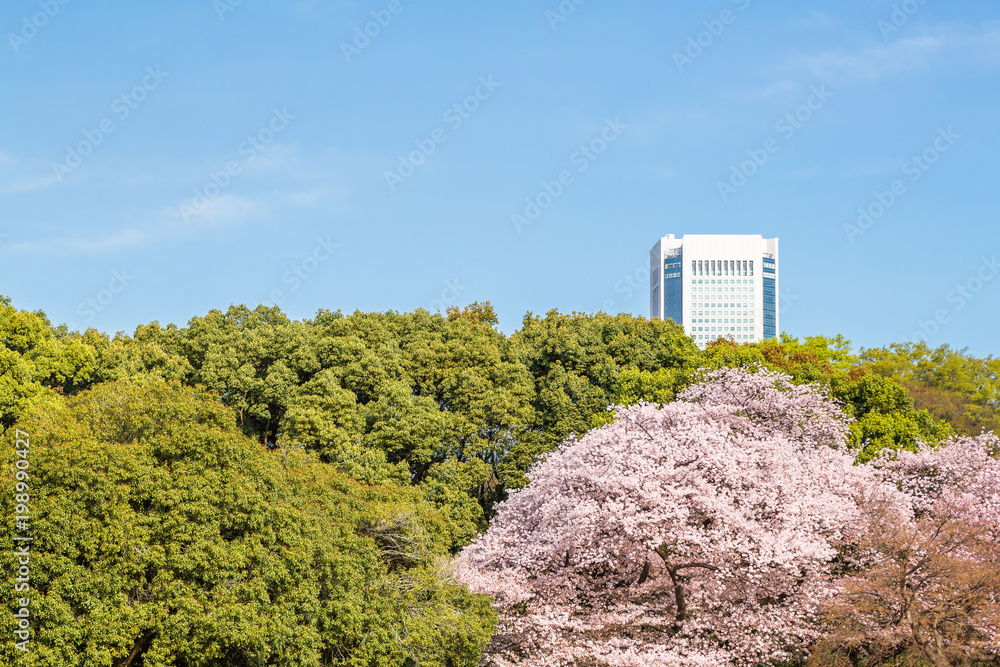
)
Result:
{"points": [[35, 357], [163, 536], [254, 360], [885, 417], [577, 362], [884, 414], [951, 384]]}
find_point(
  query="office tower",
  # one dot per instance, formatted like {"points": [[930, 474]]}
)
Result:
{"points": [[716, 285]]}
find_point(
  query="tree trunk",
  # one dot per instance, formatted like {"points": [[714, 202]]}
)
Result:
{"points": [[140, 647]]}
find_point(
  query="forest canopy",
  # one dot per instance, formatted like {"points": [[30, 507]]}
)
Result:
{"points": [[249, 489]]}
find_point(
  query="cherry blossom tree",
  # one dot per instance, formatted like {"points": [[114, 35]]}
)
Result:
{"points": [[929, 593], [929, 587], [703, 532], [962, 470]]}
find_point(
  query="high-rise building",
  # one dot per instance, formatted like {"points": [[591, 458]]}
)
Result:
{"points": [[716, 285]]}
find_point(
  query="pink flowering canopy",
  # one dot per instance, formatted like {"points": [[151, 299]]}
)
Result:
{"points": [[961, 472], [699, 533], [931, 582]]}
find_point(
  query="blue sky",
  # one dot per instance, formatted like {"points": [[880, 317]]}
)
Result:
{"points": [[118, 116]]}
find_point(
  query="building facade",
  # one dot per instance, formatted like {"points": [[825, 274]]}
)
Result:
{"points": [[716, 285]]}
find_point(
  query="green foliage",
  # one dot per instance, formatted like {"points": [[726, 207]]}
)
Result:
{"points": [[453, 487], [950, 384], [380, 396], [725, 353], [886, 418], [659, 386], [885, 415], [35, 358], [577, 362], [815, 359], [163, 536], [636, 386], [254, 360]]}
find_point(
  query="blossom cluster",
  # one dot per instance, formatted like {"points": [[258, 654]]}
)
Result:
{"points": [[714, 530], [703, 529], [961, 470]]}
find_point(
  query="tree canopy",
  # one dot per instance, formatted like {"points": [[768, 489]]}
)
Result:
{"points": [[164, 536], [193, 481]]}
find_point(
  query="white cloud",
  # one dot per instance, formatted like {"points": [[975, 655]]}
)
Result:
{"points": [[161, 227], [804, 173], [24, 176], [868, 64], [280, 177], [948, 45], [871, 169], [284, 172], [815, 20], [313, 196], [986, 43], [79, 245], [29, 185], [230, 210], [782, 88]]}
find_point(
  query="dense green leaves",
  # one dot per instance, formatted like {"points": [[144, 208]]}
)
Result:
{"points": [[950, 384], [577, 362], [886, 418], [164, 534]]}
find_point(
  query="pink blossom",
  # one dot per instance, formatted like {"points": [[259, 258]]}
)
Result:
{"points": [[699, 533], [962, 471]]}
